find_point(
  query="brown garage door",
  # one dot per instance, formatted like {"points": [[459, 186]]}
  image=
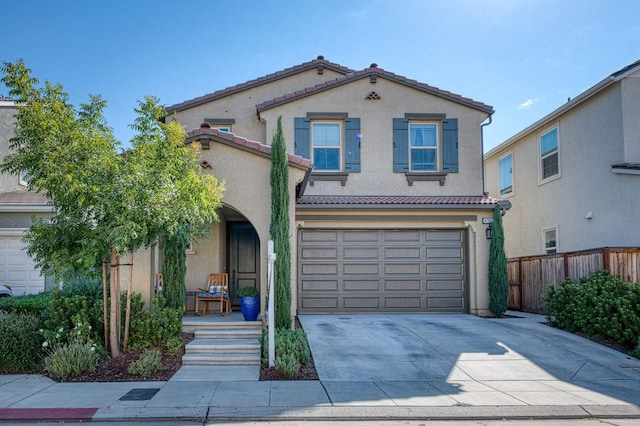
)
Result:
{"points": [[381, 271]]}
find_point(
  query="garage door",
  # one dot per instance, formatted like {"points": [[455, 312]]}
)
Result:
{"points": [[17, 269], [381, 271]]}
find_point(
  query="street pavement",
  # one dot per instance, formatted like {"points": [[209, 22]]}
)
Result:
{"points": [[372, 368]]}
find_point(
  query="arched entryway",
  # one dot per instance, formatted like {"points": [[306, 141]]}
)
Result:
{"points": [[243, 257]]}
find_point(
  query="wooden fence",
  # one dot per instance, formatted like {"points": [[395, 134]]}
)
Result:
{"points": [[529, 277]]}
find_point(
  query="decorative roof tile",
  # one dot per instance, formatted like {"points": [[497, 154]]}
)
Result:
{"points": [[319, 63], [205, 133], [378, 72]]}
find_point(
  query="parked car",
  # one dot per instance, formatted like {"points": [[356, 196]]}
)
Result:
{"points": [[5, 290]]}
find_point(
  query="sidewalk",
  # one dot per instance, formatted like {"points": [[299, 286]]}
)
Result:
{"points": [[237, 395]]}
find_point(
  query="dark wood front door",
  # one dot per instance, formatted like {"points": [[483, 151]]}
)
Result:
{"points": [[244, 258]]}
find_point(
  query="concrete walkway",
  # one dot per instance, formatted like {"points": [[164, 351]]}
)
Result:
{"points": [[372, 367]]}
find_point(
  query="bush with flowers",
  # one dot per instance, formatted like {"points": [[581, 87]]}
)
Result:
{"points": [[71, 352]]}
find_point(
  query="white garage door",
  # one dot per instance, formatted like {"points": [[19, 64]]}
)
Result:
{"points": [[17, 269], [381, 271]]}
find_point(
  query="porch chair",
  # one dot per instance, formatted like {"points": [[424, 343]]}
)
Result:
{"points": [[217, 291]]}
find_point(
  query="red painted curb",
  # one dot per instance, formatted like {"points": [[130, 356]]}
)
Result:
{"points": [[47, 413]]}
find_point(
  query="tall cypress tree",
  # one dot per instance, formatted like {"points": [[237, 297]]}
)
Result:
{"points": [[498, 278], [279, 227], [174, 270]]}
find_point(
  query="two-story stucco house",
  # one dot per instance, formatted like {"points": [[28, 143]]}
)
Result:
{"points": [[17, 206], [573, 177], [386, 188]]}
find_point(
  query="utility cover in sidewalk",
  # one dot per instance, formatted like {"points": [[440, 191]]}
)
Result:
{"points": [[143, 394]]}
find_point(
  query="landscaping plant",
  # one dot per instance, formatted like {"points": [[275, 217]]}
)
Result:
{"points": [[147, 364], [20, 342], [600, 304], [279, 228], [498, 278]]}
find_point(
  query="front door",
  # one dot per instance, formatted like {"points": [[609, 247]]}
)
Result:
{"points": [[244, 258]]}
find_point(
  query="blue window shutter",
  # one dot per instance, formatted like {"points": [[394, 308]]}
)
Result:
{"points": [[301, 138], [400, 145], [450, 145], [352, 145]]}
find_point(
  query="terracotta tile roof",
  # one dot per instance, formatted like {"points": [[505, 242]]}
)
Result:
{"points": [[22, 199], [471, 201], [375, 72], [205, 133], [319, 63]]}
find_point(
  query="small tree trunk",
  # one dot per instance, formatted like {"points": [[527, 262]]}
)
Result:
{"points": [[128, 311], [105, 304], [115, 306]]}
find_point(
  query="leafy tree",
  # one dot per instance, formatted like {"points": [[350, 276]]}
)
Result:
{"points": [[498, 278], [279, 227], [105, 203]]}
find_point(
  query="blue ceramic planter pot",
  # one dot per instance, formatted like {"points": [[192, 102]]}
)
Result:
{"points": [[250, 307]]}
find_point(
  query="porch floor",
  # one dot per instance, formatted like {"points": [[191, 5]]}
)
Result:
{"points": [[215, 317]]}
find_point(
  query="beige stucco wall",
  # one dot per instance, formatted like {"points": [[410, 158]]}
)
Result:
{"points": [[242, 106], [8, 183], [591, 139], [376, 121], [630, 92], [470, 221]]}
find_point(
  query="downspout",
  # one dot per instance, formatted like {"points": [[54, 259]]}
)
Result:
{"points": [[484, 190]]}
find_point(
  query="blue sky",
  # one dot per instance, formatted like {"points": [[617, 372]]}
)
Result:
{"points": [[523, 57]]}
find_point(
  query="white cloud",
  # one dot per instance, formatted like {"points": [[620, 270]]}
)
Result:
{"points": [[527, 104]]}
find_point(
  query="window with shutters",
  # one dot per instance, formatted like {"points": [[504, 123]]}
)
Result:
{"points": [[331, 140], [549, 156], [505, 175], [425, 146]]}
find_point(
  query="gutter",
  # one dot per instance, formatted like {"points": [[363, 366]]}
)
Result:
{"points": [[482, 126]]}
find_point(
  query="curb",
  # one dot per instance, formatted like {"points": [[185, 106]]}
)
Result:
{"points": [[75, 414]]}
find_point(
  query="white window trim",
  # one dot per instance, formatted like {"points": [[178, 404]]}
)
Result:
{"points": [[21, 180], [544, 240], [513, 180], [190, 248], [438, 147], [558, 175], [340, 124]]}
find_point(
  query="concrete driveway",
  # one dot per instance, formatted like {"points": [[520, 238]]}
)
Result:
{"points": [[508, 361]]}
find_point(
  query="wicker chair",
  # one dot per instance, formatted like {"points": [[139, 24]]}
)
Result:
{"points": [[217, 291]]}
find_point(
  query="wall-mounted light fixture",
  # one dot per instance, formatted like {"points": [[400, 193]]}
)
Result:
{"points": [[588, 215], [488, 231]]}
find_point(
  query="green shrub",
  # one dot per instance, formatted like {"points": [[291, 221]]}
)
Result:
{"points": [[35, 304], [21, 342], [75, 355], [287, 364], [64, 305], [161, 327], [599, 304], [147, 364], [291, 348]]}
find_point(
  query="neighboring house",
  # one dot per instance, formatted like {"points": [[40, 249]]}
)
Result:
{"points": [[17, 206], [386, 186], [573, 177]]}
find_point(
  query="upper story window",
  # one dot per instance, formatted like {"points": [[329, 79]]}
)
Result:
{"points": [[423, 146], [549, 155], [331, 140], [327, 143], [222, 124], [23, 180], [505, 174], [550, 239]]}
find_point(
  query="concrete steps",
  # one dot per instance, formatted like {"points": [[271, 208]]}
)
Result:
{"points": [[228, 343]]}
